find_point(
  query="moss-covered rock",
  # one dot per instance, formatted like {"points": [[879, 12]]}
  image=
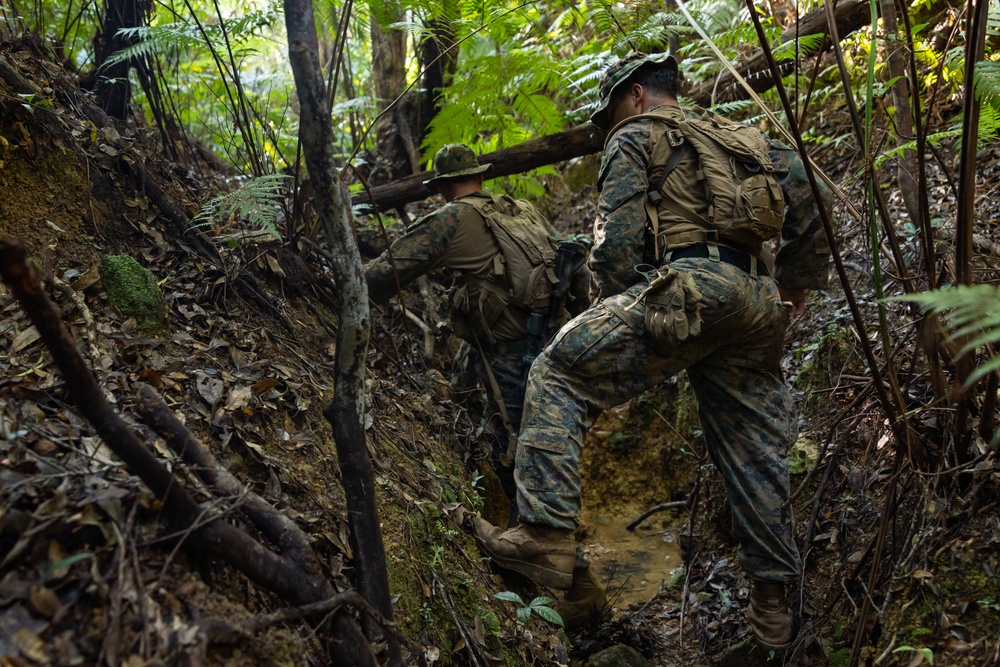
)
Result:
{"points": [[132, 289]]}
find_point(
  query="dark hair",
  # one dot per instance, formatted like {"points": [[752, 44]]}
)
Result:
{"points": [[657, 78]]}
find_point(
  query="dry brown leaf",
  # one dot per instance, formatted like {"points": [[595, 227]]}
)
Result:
{"points": [[31, 646], [24, 339], [43, 601]]}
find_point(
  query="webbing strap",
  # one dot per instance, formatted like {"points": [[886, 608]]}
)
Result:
{"points": [[654, 196], [498, 398]]}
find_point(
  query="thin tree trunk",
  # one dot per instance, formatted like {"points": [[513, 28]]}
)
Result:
{"points": [[113, 87], [906, 170], [346, 411], [397, 150], [438, 69]]}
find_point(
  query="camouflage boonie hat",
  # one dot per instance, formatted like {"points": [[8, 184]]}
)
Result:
{"points": [[620, 71], [455, 160]]}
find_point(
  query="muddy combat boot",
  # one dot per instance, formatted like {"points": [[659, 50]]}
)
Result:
{"points": [[543, 554], [584, 602], [770, 616]]}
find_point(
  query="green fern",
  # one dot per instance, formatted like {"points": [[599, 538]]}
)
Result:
{"points": [[807, 43], [257, 203], [178, 36], [987, 82], [151, 40], [654, 32], [971, 310], [743, 35], [898, 151]]}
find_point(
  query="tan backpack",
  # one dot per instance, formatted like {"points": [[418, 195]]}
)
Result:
{"points": [[524, 270], [746, 205]]}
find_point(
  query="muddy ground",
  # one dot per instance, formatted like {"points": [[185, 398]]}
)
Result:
{"points": [[86, 578]]}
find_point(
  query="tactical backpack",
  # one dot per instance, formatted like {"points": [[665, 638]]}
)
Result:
{"points": [[523, 271], [745, 203]]}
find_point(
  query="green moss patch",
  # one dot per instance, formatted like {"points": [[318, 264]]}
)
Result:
{"points": [[133, 291]]}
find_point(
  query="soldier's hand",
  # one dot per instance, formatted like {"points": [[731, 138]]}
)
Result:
{"points": [[797, 299]]}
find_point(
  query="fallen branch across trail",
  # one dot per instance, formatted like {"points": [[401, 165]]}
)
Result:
{"points": [[552, 148]]}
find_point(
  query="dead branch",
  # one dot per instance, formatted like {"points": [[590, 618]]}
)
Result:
{"points": [[850, 15], [276, 526], [653, 510]]}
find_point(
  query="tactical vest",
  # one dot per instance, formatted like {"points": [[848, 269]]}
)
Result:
{"points": [[523, 271], [743, 204]]}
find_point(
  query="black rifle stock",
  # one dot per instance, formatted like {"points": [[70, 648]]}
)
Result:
{"points": [[570, 256]]}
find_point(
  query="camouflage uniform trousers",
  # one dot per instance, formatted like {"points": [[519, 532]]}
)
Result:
{"points": [[605, 356]]}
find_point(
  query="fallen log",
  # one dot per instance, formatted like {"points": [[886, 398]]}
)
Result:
{"points": [[552, 148], [850, 14]]}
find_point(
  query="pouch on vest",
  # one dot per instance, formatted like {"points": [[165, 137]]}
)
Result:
{"points": [[673, 306]]}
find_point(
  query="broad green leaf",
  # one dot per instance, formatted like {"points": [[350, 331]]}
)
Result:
{"points": [[549, 614], [509, 596]]}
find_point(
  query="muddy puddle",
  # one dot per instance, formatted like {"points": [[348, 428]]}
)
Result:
{"points": [[631, 565]]}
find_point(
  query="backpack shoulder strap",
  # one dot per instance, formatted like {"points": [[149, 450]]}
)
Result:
{"points": [[677, 138]]}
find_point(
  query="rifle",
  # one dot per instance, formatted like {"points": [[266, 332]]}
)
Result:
{"points": [[570, 256]]}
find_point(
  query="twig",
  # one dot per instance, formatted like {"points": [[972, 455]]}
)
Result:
{"points": [[469, 644], [655, 509], [849, 410], [693, 552], [684, 594], [81, 305], [424, 329]]}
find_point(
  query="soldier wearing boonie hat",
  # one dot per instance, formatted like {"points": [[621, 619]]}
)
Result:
{"points": [[617, 74], [455, 161], [724, 323], [456, 236]]}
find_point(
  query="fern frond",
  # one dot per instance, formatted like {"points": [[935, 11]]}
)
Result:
{"points": [[987, 82], [151, 40], [898, 151], [742, 35], [735, 107], [808, 43], [967, 309], [155, 39], [257, 203]]}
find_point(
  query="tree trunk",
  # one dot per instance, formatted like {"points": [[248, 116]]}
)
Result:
{"points": [[113, 88], [397, 150], [579, 141], [850, 14], [346, 411]]}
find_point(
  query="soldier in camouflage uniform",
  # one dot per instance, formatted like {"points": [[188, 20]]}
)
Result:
{"points": [[606, 355], [457, 237]]}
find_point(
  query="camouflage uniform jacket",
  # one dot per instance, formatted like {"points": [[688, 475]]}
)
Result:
{"points": [[454, 237], [622, 239]]}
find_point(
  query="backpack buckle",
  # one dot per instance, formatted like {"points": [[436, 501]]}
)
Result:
{"points": [[674, 138]]}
